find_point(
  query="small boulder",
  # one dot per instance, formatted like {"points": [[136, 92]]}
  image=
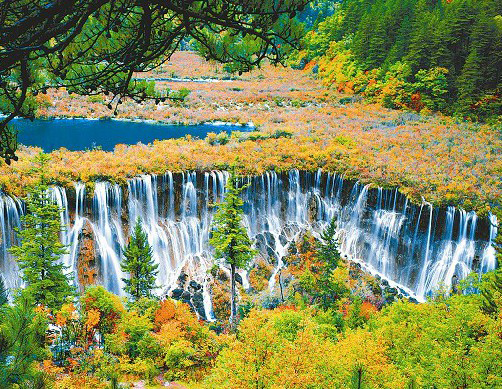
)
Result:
{"points": [[176, 293]]}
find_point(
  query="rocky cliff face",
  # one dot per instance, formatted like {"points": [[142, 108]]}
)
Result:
{"points": [[87, 264]]}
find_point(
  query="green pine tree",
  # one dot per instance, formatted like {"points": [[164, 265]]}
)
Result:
{"points": [[441, 55], [421, 37], [328, 247], [491, 293], [329, 256], [229, 237], [139, 264], [470, 80], [378, 41], [401, 42], [354, 11], [41, 249], [22, 342], [362, 39], [458, 22], [4, 293]]}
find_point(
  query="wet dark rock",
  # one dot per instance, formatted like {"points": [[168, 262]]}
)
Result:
{"points": [[238, 278], [271, 302], [271, 253], [176, 293], [385, 283], [290, 232], [186, 296], [392, 291], [413, 300], [182, 279], [260, 240], [194, 286], [198, 304], [269, 238]]}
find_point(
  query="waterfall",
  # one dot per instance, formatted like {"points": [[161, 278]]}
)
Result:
{"points": [[416, 248], [107, 228], [422, 286], [70, 234], [489, 261], [176, 243], [11, 211]]}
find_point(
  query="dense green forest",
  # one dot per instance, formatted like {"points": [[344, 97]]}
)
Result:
{"points": [[441, 55]]}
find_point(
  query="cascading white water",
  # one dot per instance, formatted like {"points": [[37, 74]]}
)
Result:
{"points": [[176, 243], [415, 248], [107, 228], [11, 211], [489, 260], [458, 254], [79, 219], [69, 234], [421, 286]]}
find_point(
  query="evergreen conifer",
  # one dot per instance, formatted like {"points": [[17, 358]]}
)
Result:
{"points": [[39, 253], [139, 265], [230, 238]]}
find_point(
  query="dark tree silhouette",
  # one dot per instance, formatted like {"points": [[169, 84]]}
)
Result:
{"points": [[95, 46]]}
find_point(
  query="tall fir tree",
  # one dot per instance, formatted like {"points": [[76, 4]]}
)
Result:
{"points": [[329, 256], [139, 264], [230, 238], [362, 40], [401, 42], [470, 80], [441, 56], [353, 12], [420, 42], [39, 253], [4, 293], [491, 294], [378, 41], [459, 18], [357, 378], [22, 342], [482, 40]]}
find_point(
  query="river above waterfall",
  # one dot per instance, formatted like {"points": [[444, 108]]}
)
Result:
{"points": [[82, 134]]}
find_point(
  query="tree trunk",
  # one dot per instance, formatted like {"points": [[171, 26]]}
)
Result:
{"points": [[280, 285], [233, 305]]}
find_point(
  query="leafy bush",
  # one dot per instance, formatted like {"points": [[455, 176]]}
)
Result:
{"points": [[102, 308]]}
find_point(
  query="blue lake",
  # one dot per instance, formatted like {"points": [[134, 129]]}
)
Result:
{"points": [[82, 134]]}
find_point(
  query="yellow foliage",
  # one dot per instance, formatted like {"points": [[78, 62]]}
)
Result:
{"points": [[93, 316], [169, 332]]}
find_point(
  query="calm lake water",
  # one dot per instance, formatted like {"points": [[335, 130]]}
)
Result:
{"points": [[81, 134]]}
